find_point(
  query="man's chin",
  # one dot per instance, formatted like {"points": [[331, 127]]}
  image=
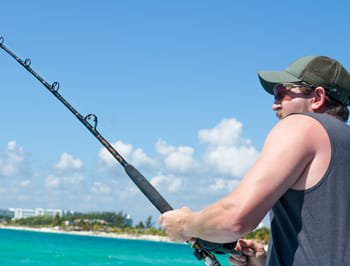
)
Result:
{"points": [[280, 115]]}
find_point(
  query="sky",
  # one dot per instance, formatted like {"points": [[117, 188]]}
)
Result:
{"points": [[174, 87]]}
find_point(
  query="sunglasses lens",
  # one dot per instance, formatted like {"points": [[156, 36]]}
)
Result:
{"points": [[279, 95], [279, 92]]}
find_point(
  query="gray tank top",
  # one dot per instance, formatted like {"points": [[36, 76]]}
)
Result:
{"points": [[312, 227]]}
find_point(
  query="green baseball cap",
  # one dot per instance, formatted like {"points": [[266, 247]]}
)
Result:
{"points": [[315, 70]]}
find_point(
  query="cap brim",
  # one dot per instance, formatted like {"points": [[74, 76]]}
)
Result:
{"points": [[269, 79]]}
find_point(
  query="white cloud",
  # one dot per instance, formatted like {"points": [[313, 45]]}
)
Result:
{"points": [[136, 157], [140, 158], [164, 148], [170, 182], [99, 187], [12, 162], [221, 184], [24, 183], [228, 152], [178, 159], [67, 172], [54, 181], [181, 173], [68, 163], [108, 159], [129, 192], [73, 179], [227, 132], [233, 161]]}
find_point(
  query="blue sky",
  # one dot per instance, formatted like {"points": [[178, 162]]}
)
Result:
{"points": [[173, 84]]}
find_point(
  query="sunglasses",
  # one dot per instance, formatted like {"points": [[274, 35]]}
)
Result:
{"points": [[282, 91]]}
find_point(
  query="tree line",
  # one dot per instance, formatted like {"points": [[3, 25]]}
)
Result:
{"points": [[118, 222], [93, 221]]}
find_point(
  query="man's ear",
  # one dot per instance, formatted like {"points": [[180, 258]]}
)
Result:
{"points": [[318, 99]]}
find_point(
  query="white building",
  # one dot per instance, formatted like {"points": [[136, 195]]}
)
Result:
{"points": [[25, 213], [48, 212]]}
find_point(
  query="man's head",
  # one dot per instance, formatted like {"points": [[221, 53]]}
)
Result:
{"points": [[311, 84]]}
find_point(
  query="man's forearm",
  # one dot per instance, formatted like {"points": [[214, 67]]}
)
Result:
{"points": [[216, 223]]}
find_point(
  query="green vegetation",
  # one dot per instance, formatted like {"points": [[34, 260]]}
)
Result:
{"points": [[111, 222], [35, 221], [5, 219], [261, 235], [119, 219], [118, 223]]}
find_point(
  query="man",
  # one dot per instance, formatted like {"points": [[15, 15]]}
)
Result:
{"points": [[302, 175]]}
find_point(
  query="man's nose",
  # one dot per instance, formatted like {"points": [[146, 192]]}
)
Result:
{"points": [[276, 105]]}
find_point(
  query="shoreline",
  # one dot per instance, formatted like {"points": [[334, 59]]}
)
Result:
{"points": [[153, 238]]}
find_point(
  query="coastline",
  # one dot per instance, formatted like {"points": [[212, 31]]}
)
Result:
{"points": [[154, 238]]}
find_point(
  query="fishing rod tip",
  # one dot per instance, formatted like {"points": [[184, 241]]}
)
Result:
{"points": [[1, 39]]}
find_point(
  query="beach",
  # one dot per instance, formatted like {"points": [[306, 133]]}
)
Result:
{"points": [[89, 233]]}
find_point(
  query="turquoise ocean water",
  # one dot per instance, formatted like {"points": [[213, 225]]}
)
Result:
{"points": [[35, 248]]}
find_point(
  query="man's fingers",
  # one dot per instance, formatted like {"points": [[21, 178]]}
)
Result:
{"points": [[249, 245], [252, 253], [248, 251], [238, 260], [244, 247]]}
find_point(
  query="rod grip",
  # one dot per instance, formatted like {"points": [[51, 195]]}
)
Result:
{"points": [[147, 189]]}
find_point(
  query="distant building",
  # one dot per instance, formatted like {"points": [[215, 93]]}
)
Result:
{"points": [[48, 212], [20, 213], [6, 213]]}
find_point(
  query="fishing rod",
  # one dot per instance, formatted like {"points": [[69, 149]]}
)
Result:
{"points": [[203, 250]]}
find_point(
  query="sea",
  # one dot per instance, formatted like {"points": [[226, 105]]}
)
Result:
{"points": [[19, 247]]}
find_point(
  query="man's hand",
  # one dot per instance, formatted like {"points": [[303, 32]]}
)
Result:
{"points": [[175, 224], [253, 254]]}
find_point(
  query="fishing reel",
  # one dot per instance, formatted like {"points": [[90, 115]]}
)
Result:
{"points": [[226, 248], [204, 250]]}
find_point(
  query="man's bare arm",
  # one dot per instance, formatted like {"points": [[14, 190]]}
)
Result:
{"points": [[288, 150]]}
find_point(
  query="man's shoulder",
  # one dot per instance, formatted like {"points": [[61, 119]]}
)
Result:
{"points": [[298, 124], [298, 131], [312, 123]]}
